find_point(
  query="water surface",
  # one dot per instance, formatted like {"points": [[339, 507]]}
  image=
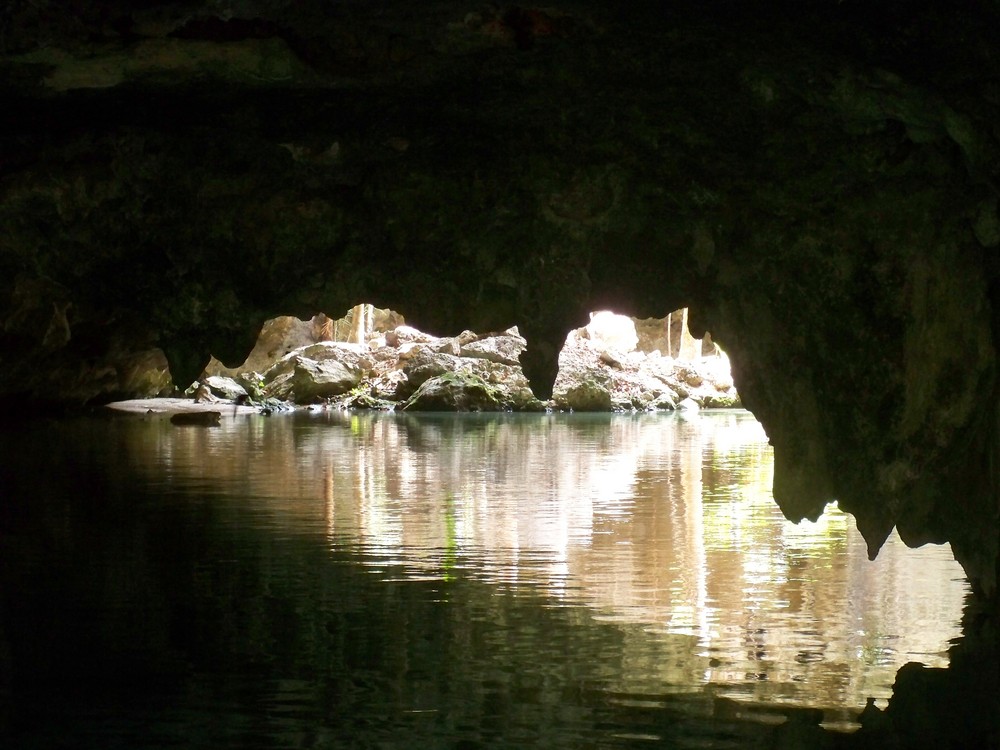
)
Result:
{"points": [[378, 580]]}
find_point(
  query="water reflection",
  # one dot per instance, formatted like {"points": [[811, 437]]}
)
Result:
{"points": [[363, 580], [663, 523]]}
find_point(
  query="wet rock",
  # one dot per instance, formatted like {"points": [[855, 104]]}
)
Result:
{"points": [[252, 382], [512, 387], [665, 401], [364, 400], [588, 394], [417, 365]]}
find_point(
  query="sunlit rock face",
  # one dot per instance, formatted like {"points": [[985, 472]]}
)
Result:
{"points": [[816, 181]]}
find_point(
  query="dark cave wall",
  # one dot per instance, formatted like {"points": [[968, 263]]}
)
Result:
{"points": [[817, 183]]}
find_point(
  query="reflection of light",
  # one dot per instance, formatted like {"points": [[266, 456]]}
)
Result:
{"points": [[647, 520]]}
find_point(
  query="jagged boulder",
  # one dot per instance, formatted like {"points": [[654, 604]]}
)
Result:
{"points": [[285, 334], [587, 393], [504, 348], [508, 383], [408, 335], [596, 372], [422, 363], [309, 381], [278, 338], [456, 391], [318, 371], [226, 388], [512, 387]]}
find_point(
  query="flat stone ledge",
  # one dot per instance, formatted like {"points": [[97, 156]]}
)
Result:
{"points": [[169, 406]]}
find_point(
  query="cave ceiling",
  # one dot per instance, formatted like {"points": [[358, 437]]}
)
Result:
{"points": [[818, 181]]}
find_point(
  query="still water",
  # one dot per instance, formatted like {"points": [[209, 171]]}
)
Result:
{"points": [[339, 580]]}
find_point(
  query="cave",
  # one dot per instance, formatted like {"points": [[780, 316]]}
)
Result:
{"points": [[817, 182]]}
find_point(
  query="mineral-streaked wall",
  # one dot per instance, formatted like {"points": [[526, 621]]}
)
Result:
{"points": [[818, 182]]}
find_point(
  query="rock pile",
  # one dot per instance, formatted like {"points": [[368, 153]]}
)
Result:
{"points": [[600, 370], [401, 367]]}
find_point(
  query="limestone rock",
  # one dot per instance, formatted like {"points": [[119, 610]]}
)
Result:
{"points": [[448, 346], [354, 356], [285, 334], [688, 404], [317, 371], [226, 388], [480, 386], [407, 335], [252, 382], [457, 391], [308, 381], [278, 337], [505, 348], [419, 363], [512, 387], [653, 334], [594, 377], [144, 374], [588, 394], [423, 365]]}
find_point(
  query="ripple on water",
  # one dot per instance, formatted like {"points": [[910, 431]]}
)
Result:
{"points": [[505, 581]]}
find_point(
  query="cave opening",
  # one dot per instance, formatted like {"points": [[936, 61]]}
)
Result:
{"points": [[612, 363], [817, 180]]}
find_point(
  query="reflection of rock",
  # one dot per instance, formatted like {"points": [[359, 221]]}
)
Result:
{"points": [[957, 706], [196, 418], [638, 486]]}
